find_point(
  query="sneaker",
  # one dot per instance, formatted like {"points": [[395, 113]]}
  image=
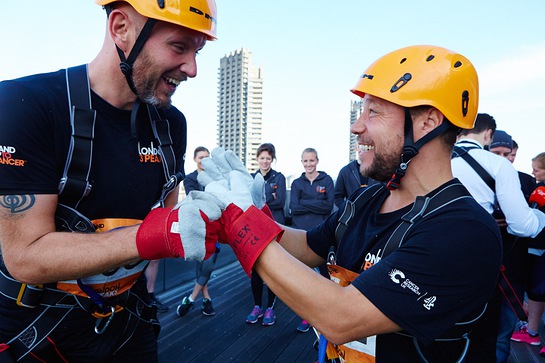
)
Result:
{"points": [[161, 308], [304, 326], [542, 352], [207, 308], [523, 336], [254, 315], [184, 308], [269, 318]]}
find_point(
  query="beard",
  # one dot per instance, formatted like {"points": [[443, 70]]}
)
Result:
{"points": [[384, 164], [383, 167], [145, 78]]}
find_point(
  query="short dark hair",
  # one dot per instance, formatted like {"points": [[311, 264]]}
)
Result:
{"points": [[198, 149], [483, 122], [268, 147]]}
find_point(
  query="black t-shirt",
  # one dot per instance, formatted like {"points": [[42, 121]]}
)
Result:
{"points": [[443, 273]]}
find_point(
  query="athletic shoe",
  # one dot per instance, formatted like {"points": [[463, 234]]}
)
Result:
{"points": [[254, 315], [523, 336], [304, 326], [207, 308], [269, 318], [161, 308], [184, 307]]}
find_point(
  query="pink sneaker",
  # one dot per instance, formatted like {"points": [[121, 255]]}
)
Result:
{"points": [[523, 336], [542, 352]]}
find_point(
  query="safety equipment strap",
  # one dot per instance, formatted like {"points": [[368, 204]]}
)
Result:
{"points": [[74, 184]]}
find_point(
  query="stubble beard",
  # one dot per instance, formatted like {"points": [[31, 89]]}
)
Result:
{"points": [[145, 81]]}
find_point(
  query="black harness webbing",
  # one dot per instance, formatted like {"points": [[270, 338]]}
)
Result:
{"points": [[464, 154], [422, 208], [503, 283], [74, 184]]}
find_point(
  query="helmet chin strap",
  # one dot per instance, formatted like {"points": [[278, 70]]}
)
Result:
{"points": [[126, 66], [411, 148]]}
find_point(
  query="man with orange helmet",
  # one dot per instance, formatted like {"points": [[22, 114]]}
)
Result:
{"points": [[415, 259], [91, 149]]}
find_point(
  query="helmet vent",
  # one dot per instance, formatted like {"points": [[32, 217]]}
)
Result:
{"points": [[457, 64], [465, 101], [430, 58], [161, 3], [403, 61]]}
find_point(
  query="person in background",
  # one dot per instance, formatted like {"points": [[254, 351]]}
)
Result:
{"points": [[350, 179], [275, 198], [312, 194], [535, 289], [203, 269], [515, 253], [70, 292], [312, 199], [151, 277], [513, 155]]}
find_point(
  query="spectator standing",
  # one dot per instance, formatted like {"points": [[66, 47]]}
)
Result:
{"points": [[203, 269], [275, 198], [312, 194], [312, 199], [515, 253], [529, 333]]}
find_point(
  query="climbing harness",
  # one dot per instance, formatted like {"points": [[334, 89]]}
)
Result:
{"points": [[364, 350]]}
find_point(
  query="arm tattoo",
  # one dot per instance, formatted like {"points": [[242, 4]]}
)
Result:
{"points": [[17, 203]]}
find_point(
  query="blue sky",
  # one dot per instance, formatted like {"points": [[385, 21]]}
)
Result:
{"points": [[312, 53]]}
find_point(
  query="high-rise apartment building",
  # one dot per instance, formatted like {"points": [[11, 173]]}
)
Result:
{"points": [[240, 106], [356, 108]]}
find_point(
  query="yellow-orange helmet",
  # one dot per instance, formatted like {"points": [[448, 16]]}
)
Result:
{"points": [[199, 15], [425, 75]]}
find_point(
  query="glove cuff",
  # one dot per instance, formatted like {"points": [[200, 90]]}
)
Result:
{"points": [[250, 233], [155, 238]]}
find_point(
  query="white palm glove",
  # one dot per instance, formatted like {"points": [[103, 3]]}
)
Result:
{"points": [[226, 177]]}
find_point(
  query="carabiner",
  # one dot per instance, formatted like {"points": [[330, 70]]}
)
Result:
{"points": [[99, 330]]}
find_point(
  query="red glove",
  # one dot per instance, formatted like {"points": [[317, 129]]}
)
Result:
{"points": [[189, 230], [248, 233], [537, 198]]}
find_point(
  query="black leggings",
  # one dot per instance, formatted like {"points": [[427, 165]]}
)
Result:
{"points": [[257, 291]]}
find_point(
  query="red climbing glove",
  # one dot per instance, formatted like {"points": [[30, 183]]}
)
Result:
{"points": [[188, 230], [248, 233]]}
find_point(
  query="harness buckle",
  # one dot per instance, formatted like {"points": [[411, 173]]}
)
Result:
{"points": [[29, 296]]}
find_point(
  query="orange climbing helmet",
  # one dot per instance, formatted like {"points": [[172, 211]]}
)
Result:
{"points": [[425, 75], [199, 15]]}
